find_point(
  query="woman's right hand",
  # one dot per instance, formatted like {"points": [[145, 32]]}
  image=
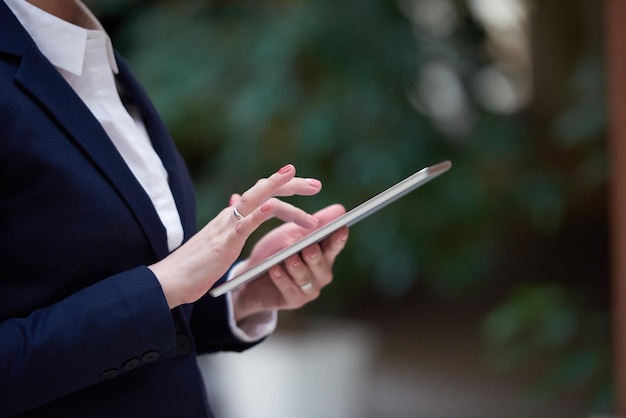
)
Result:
{"points": [[190, 271]]}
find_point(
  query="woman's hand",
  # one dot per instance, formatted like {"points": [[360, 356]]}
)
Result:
{"points": [[300, 278], [190, 271]]}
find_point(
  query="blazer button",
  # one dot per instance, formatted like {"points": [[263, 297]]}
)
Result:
{"points": [[183, 344], [109, 374], [149, 356], [130, 364]]}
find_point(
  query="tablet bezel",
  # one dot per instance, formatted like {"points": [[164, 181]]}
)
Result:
{"points": [[349, 218]]}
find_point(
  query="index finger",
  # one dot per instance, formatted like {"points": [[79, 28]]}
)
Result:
{"points": [[264, 189]]}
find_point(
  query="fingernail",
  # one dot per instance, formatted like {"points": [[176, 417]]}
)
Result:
{"points": [[276, 272], [285, 169], [266, 206], [232, 200], [314, 183]]}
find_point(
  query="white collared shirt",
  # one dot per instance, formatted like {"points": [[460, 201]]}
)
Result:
{"points": [[85, 58]]}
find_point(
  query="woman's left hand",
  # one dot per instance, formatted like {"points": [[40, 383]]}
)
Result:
{"points": [[300, 278]]}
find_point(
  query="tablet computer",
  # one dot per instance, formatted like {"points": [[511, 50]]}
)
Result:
{"points": [[347, 219]]}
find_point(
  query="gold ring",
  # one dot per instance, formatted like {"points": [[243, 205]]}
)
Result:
{"points": [[308, 285]]}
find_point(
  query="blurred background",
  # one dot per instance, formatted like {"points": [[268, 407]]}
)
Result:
{"points": [[483, 294]]}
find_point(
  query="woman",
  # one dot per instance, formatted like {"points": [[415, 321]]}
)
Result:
{"points": [[103, 304]]}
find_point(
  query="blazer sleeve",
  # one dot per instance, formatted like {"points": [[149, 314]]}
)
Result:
{"points": [[103, 330], [213, 335]]}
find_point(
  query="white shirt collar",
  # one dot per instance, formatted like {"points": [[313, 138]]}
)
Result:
{"points": [[63, 43]]}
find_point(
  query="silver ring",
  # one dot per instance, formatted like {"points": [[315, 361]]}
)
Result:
{"points": [[238, 215], [308, 285]]}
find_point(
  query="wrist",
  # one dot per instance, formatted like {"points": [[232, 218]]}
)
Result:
{"points": [[167, 286], [254, 327], [240, 309]]}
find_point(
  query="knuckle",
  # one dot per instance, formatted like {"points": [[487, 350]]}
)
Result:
{"points": [[325, 279], [291, 294], [239, 229], [244, 199]]}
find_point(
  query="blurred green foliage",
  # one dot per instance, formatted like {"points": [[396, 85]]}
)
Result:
{"points": [[346, 91], [556, 338], [246, 86]]}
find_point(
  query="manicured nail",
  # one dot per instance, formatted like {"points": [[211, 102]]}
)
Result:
{"points": [[285, 169], [314, 183]]}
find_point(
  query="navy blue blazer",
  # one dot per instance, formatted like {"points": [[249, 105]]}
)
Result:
{"points": [[85, 330]]}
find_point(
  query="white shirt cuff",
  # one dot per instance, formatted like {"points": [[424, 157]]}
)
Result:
{"points": [[254, 327]]}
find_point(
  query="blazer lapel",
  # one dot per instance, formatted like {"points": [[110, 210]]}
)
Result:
{"points": [[179, 180], [47, 87]]}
